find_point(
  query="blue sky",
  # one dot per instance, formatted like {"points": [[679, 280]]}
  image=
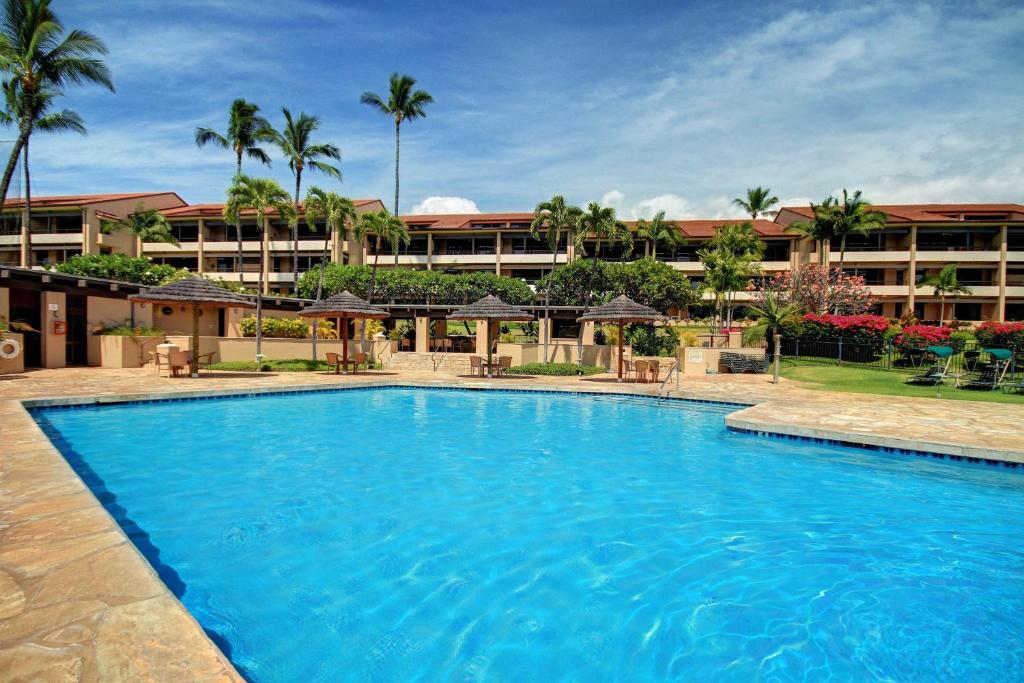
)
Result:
{"points": [[670, 105]]}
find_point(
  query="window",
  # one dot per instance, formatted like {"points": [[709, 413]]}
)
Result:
{"points": [[872, 276], [967, 311], [186, 231], [776, 250], [190, 262], [526, 244]]}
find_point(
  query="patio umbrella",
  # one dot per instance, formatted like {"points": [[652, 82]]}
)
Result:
{"points": [[347, 307], [196, 292], [622, 310], [491, 309]]}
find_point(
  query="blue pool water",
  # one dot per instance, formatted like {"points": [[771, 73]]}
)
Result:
{"points": [[403, 534]]}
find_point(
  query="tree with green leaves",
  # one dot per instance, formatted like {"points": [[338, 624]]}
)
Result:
{"points": [[147, 225], [302, 153], [730, 259], [261, 196], [601, 224], [403, 104], [554, 218], [246, 130], [42, 60], [821, 228], [759, 202], [944, 283], [36, 108], [773, 314], [337, 212], [387, 229], [854, 216], [659, 231]]}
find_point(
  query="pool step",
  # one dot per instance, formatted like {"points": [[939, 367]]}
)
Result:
{"points": [[429, 362]]}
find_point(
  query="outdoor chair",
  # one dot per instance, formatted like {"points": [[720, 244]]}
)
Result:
{"points": [[934, 375], [444, 345], [360, 359], [204, 361], [655, 370], [504, 363], [971, 359], [179, 362], [333, 361], [405, 344], [476, 365], [1013, 387], [641, 368], [628, 368], [162, 362], [989, 378]]}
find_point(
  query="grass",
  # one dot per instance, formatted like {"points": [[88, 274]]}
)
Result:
{"points": [[292, 365], [555, 369], [869, 381]]}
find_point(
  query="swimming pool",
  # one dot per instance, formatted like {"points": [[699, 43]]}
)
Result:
{"points": [[398, 534]]}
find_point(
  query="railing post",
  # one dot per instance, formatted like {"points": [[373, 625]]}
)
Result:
{"points": [[888, 355], [840, 351]]}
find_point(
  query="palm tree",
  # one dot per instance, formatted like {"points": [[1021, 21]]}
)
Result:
{"points": [[261, 196], [729, 259], [659, 231], [854, 217], [302, 153], [553, 217], [386, 228], [944, 283], [759, 202], [37, 109], [36, 54], [148, 225], [602, 224], [821, 228], [772, 316], [404, 104], [246, 129], [336, 211]]}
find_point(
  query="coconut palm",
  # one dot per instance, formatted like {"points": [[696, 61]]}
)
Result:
{"points": [[37, 109], [759, 202], [659, 231], [337, 212], [944, 283], [821, 228], [772, 316], [303, 153], [37, 55], [600, 223], [729, 259], [854, 216], [147, 225], [553, 217], [261, 196], [246, 129], [385, 228], [403, 104]]}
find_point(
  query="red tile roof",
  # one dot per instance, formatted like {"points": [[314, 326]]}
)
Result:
{"points": [[73, 200], [216, 210], [929, 212]]}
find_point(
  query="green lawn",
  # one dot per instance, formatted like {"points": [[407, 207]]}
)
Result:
{"points": [[867, 381]]}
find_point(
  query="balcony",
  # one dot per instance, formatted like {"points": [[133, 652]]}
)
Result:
{"points": [[965, 256], [10, 239], [532, 259], [58, 238], [230, 247], [463, 259], [404, 260]]}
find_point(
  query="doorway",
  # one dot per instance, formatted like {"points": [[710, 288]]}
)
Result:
{"points": [[25, 305], [76, 342]]}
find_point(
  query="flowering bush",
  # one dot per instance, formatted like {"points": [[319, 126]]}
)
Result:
{"points": [[1001, 335], [920, 336], [864, 327], [821, 290]]}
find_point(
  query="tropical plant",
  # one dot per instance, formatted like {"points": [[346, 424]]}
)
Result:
{"points": [[601, 223], [730, 259], [38, 56], [819, 289], [854, 216], [302, 153], [555, 369], [646, 281], [337, 212], [287, 328], [647, 339], [773, 315], [261, 196], [659, 231], [385, 228], [403, 104], [246, 129], [136, 269], [944, 283], [821, 227], [759, 202], [36, 110], [553, 217], [147, 225]]}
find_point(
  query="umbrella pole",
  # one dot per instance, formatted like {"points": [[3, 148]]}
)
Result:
{"points": [[194, 361], [489, 369], [620, 352], [344, 347]]}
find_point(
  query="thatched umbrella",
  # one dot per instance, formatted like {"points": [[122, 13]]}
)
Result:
{"points": [[491, 309], [622, 310], [346, 307], [196, 292]]}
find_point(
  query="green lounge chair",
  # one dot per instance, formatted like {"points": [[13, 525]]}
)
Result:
{"points": [[1013, 387], [937, 373], [990, 378]]}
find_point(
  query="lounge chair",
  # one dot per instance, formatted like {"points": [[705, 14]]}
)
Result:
{"points": [[934, 375], [476, 365], [989, 379]]}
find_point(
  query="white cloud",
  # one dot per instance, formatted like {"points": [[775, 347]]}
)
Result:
{"points": [[440, 204], [612, 198], [673, 205]]}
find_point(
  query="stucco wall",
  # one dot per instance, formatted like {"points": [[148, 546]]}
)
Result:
{"points": [[244, 348], [16, 364]]}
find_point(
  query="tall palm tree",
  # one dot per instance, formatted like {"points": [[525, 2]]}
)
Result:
{"points": [[854, 216], [37, 109], [147, 225], [730, 258], [659, 231], [943, 284], [553, 217], [261, 196], [772, 316], [303, 153], [246, 129], [821, 227], [403, 104], [35, 52], [337, 212], [759, 202], [385, 228], [601, 223]]}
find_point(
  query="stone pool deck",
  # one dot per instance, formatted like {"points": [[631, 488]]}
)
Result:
{"points": [[79, 603]]}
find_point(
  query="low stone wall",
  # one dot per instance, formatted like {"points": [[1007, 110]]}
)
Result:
{"points": [[229, 349], [115, 351], [695, 361], [561, 351]]}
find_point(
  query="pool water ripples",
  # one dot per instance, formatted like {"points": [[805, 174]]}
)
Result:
{"points": [[401, 534]]}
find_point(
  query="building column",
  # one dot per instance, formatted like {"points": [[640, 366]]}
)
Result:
{"points": [[201, 259], [588, 333], [91, 232], [1000, 312], [440, 328], [542, 330], [5, 303], [54, 346], [497, 253], [265, 250], [422, 334], [481, 337], [430, 251], [912, 270]]}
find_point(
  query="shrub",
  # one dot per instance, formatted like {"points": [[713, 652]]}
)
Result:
{"points": [[920, 336], [646, 281], [1001, 335], [136, 269], [648, 340], [818, 289], [126, 329], [556, 369], [287, 328], [959, 339], [863, 327]]}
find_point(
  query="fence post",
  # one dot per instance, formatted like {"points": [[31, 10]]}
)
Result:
{"points": [[840, 351], [888, 355]]}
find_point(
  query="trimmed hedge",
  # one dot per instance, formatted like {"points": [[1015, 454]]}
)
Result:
{"points": [[555, 369]]}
